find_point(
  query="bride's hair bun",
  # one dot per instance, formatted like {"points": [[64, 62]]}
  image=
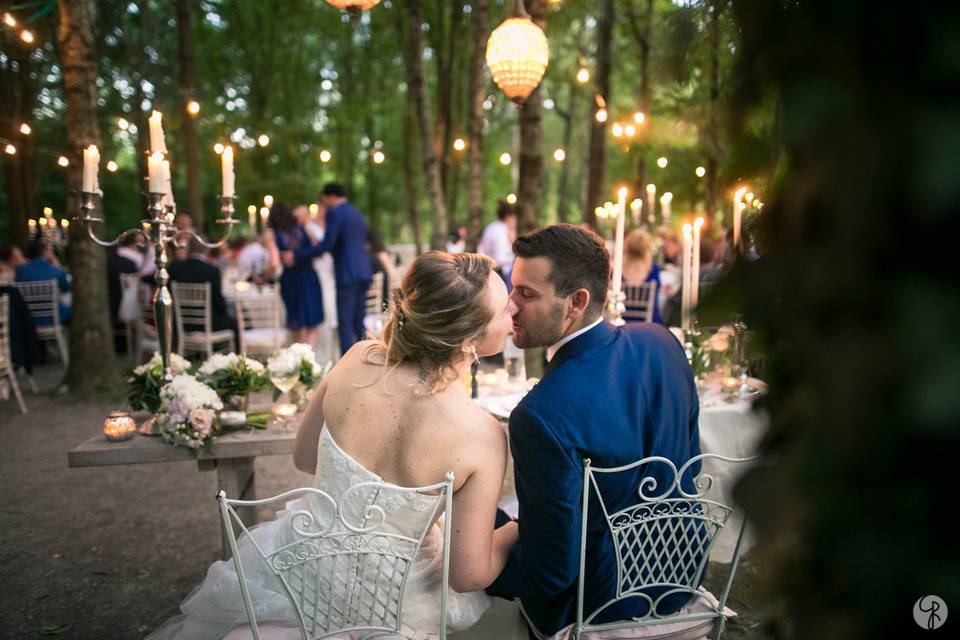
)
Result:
{"points": [[439, 305]]}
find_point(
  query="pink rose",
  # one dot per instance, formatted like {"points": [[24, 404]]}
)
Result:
{"points": [[719, 342], [202, 420]]}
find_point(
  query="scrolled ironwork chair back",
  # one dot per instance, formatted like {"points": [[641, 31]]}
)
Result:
{"points": [[662, 543], [342, 567]]}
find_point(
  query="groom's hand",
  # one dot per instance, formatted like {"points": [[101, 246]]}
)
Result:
{"points": [[286, 257]]}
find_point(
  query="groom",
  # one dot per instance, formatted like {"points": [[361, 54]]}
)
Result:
{"points": [[613, 395]]}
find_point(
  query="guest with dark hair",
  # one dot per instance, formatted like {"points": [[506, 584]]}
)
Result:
{"points": [[43, 265], [344, 237], [299, 285], [10, 258], [380, 261], [193, 266], [126, 259]]}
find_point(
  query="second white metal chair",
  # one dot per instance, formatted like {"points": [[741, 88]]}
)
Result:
{"points": [[373, 311], [662, 546], [6, 362], [192, 309], [639, 301], [43, 300], [342, 576]]}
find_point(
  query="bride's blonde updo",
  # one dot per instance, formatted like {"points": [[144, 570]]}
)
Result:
{"points": [[439, 305]]}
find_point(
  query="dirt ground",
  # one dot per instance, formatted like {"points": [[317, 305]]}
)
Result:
{"points": [[109, 552]]}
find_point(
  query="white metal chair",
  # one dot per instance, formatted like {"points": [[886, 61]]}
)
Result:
{"points": [[342, 576], [259, 323], [145, 332], [43, 300], [373, 312], [662, 546], [128, 319], [6, 362], [640, 302], [191, 303]]}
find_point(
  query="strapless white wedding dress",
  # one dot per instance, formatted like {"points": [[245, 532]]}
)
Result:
{"points": [[215, 607]]}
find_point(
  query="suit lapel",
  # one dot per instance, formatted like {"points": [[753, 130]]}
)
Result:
{"points": [[578, 345]]}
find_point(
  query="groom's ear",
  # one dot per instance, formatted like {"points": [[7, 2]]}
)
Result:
{"points": [[579, 301]]}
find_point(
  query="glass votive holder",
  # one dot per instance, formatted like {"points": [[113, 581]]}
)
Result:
{"points": [[730, 385], [283, 412], [118, 426]]}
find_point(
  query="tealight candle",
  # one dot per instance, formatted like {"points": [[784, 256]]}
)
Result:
{"points": [[118, 426], [730, 384], [284, 410]]}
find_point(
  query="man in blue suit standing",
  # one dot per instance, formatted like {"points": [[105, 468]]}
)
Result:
{"points": [[611, 394], [344, 238]]}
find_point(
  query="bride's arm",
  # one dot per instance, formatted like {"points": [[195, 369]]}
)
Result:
{"points": [[478, 553], [308, 436]]}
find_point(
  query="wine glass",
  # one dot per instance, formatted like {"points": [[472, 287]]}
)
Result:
{"points": [[284, 409]]}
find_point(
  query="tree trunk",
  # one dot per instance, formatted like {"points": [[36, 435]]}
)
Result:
{"points": [[409, 183], [18, 97], [713, 126], [417, 85], [449, 169], [478, 85], [569, 118], [194, 179], [643, 35], [92, 362], [598, 130], [530, 182]]}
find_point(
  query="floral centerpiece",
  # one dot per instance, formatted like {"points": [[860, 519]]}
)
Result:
{"points": [[187, 416], [233, 377], [146, 381], [711, 351], [295, 368]]}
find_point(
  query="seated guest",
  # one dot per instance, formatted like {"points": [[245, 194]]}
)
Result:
{"points": [[254, 259], [670, 247], [193, 266], [10, 257], [639, 268], [43, 265]]}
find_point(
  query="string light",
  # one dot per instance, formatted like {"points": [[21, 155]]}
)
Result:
{"points": [[629, 130], [459, 144], [27, 36], [639, 117], [10, 150], [505, 158], [9, 20], [112, 166], [617, 129], [25, 129], [63, 162], [263, 140], [583, 75], [511, 198], [268, 200], [700, 171], [662, 162], [123, 124], [601, 115], [325, 156], [193, 107], [378, 157], [218, 148], [559, 155]]}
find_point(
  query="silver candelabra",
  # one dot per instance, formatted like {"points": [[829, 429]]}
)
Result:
{"points": [[159, 230]]}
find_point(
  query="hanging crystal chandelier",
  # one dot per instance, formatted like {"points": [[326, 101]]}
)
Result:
{"points": [[517, 54], [353, 6]]}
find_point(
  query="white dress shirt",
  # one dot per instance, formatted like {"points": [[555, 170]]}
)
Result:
{"points": [[495, 243], [552, 349]]}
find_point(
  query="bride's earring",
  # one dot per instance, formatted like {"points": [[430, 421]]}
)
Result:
{"points": [[473, 352]]}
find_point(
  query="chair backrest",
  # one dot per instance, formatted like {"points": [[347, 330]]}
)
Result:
{"points": [[5, 332], [43, 300], [342, 575], [663, 542], [191, 303], [146, 323], [375, 295], [639, 302], [262, 311]]}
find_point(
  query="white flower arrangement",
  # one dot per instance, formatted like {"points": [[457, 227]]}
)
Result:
{"points": [[232, 375], [223, 361], [298, 357], [188, 412], [146, 380], [178, 364]]}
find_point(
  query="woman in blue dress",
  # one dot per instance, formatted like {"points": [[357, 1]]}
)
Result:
{"points": [[299, 285]]}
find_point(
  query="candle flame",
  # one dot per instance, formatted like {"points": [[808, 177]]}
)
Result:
{"points": [[651, 188], [622, 193], [698, 224]]}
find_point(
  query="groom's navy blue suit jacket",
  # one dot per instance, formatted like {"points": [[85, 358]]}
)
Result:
{"points": [[613, 395]]}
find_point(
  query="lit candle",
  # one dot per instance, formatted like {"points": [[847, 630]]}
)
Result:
{"points": [[621, 212], [284, 410], [91, 166], [226, 165], [264, 214], [635, 207], [651, 203], [157, 143], [252, 217], [157, 184], [665, 201], [118, 426], [31, 224], [685, 292], [695, 269], [737, 211]]}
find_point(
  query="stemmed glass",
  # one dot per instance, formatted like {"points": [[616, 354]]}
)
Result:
{"points": [[284, 409]]}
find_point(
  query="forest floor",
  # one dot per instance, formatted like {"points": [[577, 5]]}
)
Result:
{"points": [[110, 552]]}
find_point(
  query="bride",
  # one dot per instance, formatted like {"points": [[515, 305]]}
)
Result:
{"points": [[396, 411]]}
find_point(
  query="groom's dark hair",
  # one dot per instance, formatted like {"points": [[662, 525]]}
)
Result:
{"points": [[578, 256]]}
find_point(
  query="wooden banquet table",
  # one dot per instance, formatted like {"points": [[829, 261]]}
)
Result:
{"points": [[232, 456]]}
